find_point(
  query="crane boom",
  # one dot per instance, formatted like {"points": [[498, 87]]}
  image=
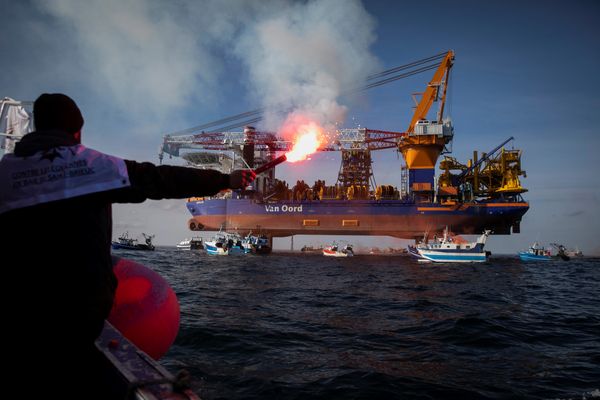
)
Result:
{"points": [[371, 139], [431, 94]]}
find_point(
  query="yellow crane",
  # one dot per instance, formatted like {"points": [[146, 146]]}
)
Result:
{"points": [[426, 139]]}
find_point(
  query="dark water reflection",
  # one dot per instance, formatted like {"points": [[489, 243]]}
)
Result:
{"points": [[289, 326]]}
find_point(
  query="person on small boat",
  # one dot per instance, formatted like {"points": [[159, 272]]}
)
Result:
{"points": [[64, 281]]}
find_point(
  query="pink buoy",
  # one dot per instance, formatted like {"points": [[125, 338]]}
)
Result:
{"points": [[145, 310]]}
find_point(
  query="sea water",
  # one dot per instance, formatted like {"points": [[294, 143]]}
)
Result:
{"points": [[297, 326]]}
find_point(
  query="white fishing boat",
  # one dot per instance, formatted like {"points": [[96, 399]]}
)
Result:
{"points": [[574, 253], [217, 246], [449, 250], [336, 250], [194, 243], [224, 244]]}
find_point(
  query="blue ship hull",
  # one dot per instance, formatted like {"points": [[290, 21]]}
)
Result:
{"points": [[395, 218]]}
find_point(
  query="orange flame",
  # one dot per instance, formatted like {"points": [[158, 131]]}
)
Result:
{"points": [[307, 138]]}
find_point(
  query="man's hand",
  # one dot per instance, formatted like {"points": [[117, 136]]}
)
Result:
{"points": [[240, 178]]}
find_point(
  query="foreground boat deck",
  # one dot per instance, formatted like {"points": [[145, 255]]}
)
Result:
{"points": [[132, 374]]}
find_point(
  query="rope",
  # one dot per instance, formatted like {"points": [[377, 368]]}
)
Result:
{"points": [[406, 66]]}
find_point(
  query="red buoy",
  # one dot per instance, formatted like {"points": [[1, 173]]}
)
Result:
{"points": [[145, 310]]}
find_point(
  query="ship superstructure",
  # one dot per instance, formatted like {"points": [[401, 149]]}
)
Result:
{"points": [[482, 194]]}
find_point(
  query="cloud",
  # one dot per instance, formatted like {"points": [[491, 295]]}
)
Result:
{"points": [[154, 58], [150, 57]]}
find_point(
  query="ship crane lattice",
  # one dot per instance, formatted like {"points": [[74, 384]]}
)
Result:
{"points": [[343, 139]]}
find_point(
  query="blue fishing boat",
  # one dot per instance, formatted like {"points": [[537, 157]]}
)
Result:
{"points": [[449, 249], [258, 244], [535, 253]]}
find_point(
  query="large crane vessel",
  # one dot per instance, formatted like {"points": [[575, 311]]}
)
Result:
{"points": [[484, 193]]}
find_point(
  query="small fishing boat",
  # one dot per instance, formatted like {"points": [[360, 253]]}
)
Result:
{"points": [[561, 251], [258, 244], [224, 244], [237, 244], [124, 242], [574, 253], [336, 250], [539, 253], [217, 246], [449, 249], [535, 253], [311, 249], [194, 243]]}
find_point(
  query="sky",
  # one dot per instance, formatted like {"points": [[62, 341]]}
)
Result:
{"points": [[140, 69]]}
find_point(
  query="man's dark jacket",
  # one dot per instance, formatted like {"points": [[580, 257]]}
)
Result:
{"points": [[59, 284]]}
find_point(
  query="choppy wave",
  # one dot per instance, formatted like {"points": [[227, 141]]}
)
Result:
{"points": [[288, 326]]}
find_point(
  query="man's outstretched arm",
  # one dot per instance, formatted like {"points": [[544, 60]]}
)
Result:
{"points": [[149, 181]]}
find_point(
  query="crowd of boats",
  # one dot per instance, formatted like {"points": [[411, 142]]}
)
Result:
{"points": [[450, 249], [447, 248], [223, 244]]}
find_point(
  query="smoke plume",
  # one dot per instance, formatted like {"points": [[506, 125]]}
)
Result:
{"points": [[301, 57], [154, 58]]}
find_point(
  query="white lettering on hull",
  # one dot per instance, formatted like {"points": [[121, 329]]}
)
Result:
{"points": [[284, 208]]}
